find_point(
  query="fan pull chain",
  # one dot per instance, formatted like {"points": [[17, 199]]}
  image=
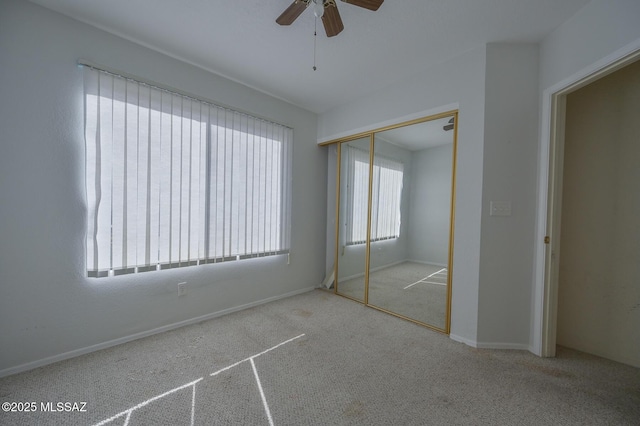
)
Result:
{"points": [[315, 34]]}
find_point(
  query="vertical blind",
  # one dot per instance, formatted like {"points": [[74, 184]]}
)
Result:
{"points": [[357, 194], [386, 197], [175, 181]]}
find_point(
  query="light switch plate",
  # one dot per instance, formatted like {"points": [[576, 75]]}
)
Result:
{"points": [[500, 208]]}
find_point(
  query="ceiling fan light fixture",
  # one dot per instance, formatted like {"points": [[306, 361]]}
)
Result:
{"points": [[318, 8]]}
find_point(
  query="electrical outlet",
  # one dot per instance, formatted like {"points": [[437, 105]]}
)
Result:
{"points": [[182, 289]]}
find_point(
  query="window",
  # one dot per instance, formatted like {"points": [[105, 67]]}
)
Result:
{"points": [[175, 181], [386, 197]]}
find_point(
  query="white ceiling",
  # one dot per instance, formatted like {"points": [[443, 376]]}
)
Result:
{"points": [[240, 39]]}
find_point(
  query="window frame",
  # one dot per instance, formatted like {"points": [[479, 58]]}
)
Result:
{"points": [[265, 133]]}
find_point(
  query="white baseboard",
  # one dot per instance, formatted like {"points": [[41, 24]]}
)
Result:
{"points": [[491, 345], [328, 281], [351, 277], [502, 345], [379, 268], [82, 351], [424, 262], [464, 340]]}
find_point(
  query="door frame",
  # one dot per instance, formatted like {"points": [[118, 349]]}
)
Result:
{"points": [[550, 171]]}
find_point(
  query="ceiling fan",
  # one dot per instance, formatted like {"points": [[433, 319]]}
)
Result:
{"points": [[449, 125], [325, 9]]}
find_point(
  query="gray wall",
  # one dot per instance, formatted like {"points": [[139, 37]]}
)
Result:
{"points": [[430, 205], [48, 309], [598, 292]]}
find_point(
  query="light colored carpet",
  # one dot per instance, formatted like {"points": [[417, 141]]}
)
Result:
{"points": [[323, 360], [411, 289]]}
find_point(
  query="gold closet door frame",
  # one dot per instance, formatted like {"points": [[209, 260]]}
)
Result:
{"points": [[371, 135]]}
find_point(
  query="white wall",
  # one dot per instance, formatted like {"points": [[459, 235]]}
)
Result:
{"points": [[430, 208], [599, 295], [492, 282], [597, 30], [496, 90], [48, 307], [457, 83], [601, 33], [509, 174]]}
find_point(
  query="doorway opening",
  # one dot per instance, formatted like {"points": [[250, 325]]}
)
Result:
{"points": [[584, 201]]}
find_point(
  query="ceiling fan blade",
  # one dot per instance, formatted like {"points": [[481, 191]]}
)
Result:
{"points": [[331, 19], [449, 125], [292, 12], [367, 4]]}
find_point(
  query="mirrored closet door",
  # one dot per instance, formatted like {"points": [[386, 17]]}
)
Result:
{"points": [[394, 229], [352, 218]]}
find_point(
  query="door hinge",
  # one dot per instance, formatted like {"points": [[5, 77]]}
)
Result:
{"points": [[547, 240]]}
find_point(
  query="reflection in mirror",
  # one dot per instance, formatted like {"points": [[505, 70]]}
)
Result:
{"points": [[410, 226], [352, 232]]}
